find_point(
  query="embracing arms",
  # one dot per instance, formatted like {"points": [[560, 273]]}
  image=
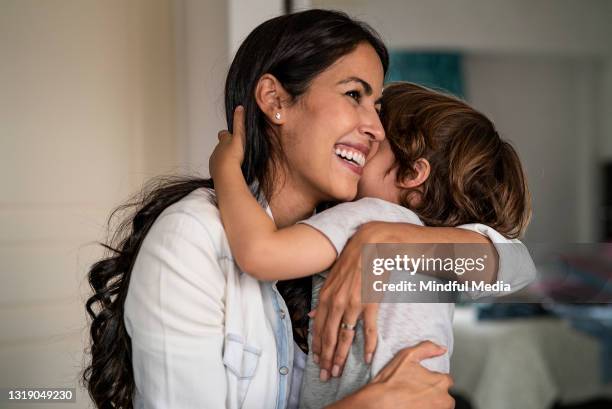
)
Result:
{"points": [[175, 316], [340, 296], [269, 253]]}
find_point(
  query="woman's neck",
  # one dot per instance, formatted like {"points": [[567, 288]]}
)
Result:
{"points": [[290, 205]]}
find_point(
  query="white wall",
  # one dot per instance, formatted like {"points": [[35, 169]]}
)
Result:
{"points": [[208, 35], [245, 15], [202, 62], [86, 114], [546, 107], [526, 26], [97, 97]]}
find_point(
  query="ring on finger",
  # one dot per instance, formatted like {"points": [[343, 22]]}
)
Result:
{"points": [[349, 327]]}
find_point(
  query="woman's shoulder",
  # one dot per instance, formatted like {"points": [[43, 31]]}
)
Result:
{"points": [[179, 259], [196, 216], [199, 204]]}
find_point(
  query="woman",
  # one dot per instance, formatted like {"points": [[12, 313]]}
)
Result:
{"points": [[175, 323]]}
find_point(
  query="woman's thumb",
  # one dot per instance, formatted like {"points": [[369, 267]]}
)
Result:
{"points": [[425, 350]]}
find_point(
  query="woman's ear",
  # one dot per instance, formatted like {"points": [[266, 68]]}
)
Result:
{"points": [[422, 169], [271, 96]]}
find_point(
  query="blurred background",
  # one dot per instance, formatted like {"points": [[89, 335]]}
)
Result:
{"points": [[97, 96]]}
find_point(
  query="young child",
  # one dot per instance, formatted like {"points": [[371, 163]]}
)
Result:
{"points": [[441, 164]]}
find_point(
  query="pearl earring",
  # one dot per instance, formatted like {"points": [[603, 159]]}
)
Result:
{"points": [[277, 116]]}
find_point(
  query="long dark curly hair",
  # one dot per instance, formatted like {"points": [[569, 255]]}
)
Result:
{"points": [[294, 48]]}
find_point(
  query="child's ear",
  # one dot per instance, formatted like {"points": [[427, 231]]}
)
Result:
{"points": [[269, 95], [422, 169]]}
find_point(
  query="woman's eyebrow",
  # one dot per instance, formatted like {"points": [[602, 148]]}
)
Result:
{"points": [[366, 87]]}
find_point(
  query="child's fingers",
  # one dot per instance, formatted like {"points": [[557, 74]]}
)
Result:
{"points": [[222, 134], [238, 125]]}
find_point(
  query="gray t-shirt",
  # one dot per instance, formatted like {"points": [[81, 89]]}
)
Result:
{"points": [[400, 325]]}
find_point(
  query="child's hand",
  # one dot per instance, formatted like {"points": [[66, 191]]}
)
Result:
{"points": [[230, 149]]}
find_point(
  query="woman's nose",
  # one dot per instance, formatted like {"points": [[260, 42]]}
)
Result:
{"points": [[372, 126]]}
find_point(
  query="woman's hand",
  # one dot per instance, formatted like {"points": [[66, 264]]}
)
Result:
{"points": [[405, 383], [340, 297], [230, 148], [340, 302]]}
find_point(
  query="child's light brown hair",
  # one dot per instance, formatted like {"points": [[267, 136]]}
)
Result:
{"points": [[475, 176]]}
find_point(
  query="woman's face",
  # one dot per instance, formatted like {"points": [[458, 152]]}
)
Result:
{"points": [[333, 128]]}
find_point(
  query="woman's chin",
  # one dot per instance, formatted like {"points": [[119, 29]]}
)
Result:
{"points": [[347, 194], [342, 186]]}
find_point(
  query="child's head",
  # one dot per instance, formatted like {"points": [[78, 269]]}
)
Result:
{"points": [[445, 160]]}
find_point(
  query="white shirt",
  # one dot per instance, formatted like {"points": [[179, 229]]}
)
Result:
{"points": [[204, 334]]}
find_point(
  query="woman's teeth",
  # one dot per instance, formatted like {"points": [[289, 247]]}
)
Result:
{"points": [[353, 156]]}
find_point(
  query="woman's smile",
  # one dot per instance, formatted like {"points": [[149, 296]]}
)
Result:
{"points": [[353, 156]]}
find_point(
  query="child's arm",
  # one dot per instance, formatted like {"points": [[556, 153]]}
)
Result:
{"points": [[258, 246]]}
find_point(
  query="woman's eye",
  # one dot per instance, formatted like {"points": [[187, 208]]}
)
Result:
{"points": [[356, 95]]}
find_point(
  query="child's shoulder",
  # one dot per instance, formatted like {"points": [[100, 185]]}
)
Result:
{"points": [[378, 209]]}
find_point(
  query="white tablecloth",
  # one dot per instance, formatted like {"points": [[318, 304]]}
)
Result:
{"points": [[524, 363]]}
